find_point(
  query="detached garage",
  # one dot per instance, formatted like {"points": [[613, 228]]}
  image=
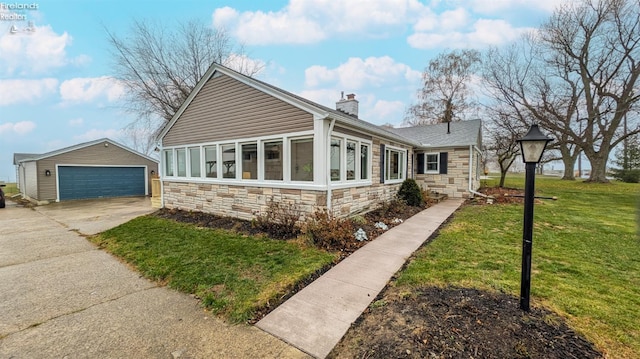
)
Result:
{"points": [[96, 169]]}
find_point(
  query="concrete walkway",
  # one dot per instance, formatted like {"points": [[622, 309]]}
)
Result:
{"points": [[315, 319]]}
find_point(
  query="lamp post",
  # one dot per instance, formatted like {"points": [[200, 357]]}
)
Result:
{"points": [[532, 147]]}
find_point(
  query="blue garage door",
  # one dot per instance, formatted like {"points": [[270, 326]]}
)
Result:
{"points": [[96, 182]]}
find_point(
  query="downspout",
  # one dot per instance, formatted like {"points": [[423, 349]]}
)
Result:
{"points": [[471, 190], [328, 169], [161, 173]]}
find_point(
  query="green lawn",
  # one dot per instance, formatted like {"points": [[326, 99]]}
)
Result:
{"points": [[10, 189], [586, 257], [235, 275]]}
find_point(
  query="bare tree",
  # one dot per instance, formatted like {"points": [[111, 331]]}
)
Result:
{"points": [[160, 67], [503, 131], [445, 94], [598, 43], [536, 91]]}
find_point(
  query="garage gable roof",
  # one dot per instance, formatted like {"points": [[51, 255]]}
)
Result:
{"points": [[26, 157]]}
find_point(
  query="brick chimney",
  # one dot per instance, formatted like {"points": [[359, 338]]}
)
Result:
{"points": [[348, 106]]}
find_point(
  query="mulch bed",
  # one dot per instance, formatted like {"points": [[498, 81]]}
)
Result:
{"points": [[433, 322]]}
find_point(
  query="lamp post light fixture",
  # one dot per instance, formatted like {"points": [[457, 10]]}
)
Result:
{"points": [[532, 147]]}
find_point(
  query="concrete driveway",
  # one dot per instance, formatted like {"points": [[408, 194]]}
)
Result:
{"points": [[61, 297]]}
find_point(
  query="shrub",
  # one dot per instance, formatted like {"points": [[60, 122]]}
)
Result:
{"points": [[328, 232], [391, 209], [280, 220], [628, 176], [410, 193]]}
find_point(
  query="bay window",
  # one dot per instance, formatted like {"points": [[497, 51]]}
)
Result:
{"points": [[181, 160], [364, 162], [168, 162], [302, 159], [335, 157], [194, 161], [351, 160], [394, 163], [250, 161], [211, 161], [228, 161], [273, 161]]}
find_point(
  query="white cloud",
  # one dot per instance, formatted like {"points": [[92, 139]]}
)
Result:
{"points": [[34, 52], [91, 88], [76, 122], [326, 97], [485, 7], [484, 33], [95, 134], [18, 91], [20, 128], [310, 21], [379, 111], [453, 19], [357, 73]]}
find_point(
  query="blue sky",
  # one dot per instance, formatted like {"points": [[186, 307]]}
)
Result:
{"points": [[57, 89]]}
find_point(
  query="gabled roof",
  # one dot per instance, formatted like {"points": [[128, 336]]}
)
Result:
{"points": [[318, 111], [26, 157], [462, 133], [20, 157]]}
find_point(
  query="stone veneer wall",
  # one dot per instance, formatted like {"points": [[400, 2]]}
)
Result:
{"points": [[236, 201], [456, 182], [347, 201], [246, 201]]}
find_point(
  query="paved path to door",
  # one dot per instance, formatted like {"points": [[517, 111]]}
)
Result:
{"points": [[316, 318], [60, 297]]}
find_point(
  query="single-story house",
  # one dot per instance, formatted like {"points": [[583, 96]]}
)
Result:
{"points": [[96, 169], [238, 143]]}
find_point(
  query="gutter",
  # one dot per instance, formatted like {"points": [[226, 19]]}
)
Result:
{"points": [[471, 190], [328, 167]]}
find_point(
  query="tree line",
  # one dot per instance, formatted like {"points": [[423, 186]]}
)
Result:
{"points": [[576, 76]]}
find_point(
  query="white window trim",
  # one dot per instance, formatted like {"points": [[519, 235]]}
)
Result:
{"points": [[357, 181], [286, 182], [262, 158], [437, 171], [189, 161], [402, 164]]}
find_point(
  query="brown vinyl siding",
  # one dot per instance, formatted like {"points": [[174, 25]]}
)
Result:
{"points": [[226, 109], [96, 155]]}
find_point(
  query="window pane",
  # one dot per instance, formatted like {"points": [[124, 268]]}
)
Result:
{"points": [[351, 160], [211, 161], [273, 161], [302, 160], [364, 162], [168, 163], [228, 161], [194, 161], [335, 160], [250, 161], [394, 164], [432, 162], [181, 157]]}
